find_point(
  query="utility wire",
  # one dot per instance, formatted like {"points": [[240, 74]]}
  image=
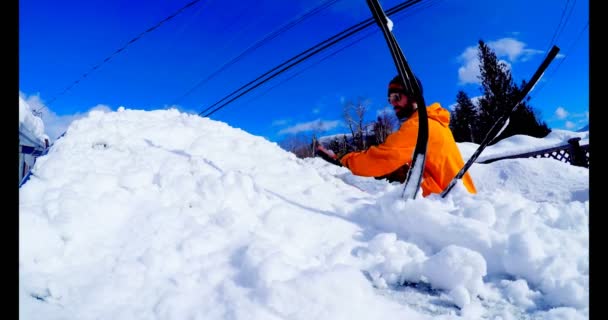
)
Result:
{"points": [[560, 26], [236, 30], [119, 50], [559, 63], [312, 65], [259, 43], [303, 56]]}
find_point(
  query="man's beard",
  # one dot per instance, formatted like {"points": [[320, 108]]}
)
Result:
{"points": [[405, 112]]}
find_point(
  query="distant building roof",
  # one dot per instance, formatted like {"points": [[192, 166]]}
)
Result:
{"points": [[31, 127]]}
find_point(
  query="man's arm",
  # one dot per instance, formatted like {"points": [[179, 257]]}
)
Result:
{"points": [[385, 158], [328, 155]]}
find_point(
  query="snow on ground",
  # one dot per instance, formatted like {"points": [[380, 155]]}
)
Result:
{"points": [[165, 215]]}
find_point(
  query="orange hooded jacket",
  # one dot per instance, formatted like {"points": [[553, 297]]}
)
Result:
{"points": [[443, 159]]}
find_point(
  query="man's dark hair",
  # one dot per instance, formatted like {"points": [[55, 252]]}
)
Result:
{"points": [[396, 82]]}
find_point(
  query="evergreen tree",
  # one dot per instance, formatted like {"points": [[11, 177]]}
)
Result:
{"points": [[463, 121], [524, 120], [497, 89], [500, 95]]}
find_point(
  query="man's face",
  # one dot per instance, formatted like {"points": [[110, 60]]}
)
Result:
{"points": [[402, 105]]}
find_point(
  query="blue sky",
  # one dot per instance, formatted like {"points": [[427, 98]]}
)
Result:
{"points": [[172, 64]]}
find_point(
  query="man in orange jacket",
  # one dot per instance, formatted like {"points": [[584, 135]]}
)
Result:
{"points": [[443, 158]]}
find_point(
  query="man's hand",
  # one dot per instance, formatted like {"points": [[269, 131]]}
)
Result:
{"points": [[328, 155]]}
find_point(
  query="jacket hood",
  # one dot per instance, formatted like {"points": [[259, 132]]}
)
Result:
{"points": [[437, 113]]}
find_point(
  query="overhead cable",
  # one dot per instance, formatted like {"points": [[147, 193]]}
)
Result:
{"points": [[259, 43], [299, 58], [119, 50]]}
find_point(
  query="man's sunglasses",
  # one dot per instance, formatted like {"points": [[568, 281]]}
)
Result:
{"points": [[394, 97]]}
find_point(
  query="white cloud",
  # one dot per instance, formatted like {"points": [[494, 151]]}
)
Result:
{"points": [[318, 125], [570, 125], [561, 113], [512, 49], [469, 71], [567, 120], [509, 48], [474, 100]]}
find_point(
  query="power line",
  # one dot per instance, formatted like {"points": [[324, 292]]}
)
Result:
{"points": [[423, 6], [315, 63], [303, 56], [561, 26], [553, 70], [120, 50], [259, 43]]}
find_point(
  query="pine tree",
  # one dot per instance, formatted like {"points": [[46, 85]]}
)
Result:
{"points": [[500, 94], [524, 120], [497, 88], [463, 119]]}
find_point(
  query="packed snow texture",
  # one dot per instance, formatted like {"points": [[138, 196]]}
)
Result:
{"points": [[166, 215]]}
